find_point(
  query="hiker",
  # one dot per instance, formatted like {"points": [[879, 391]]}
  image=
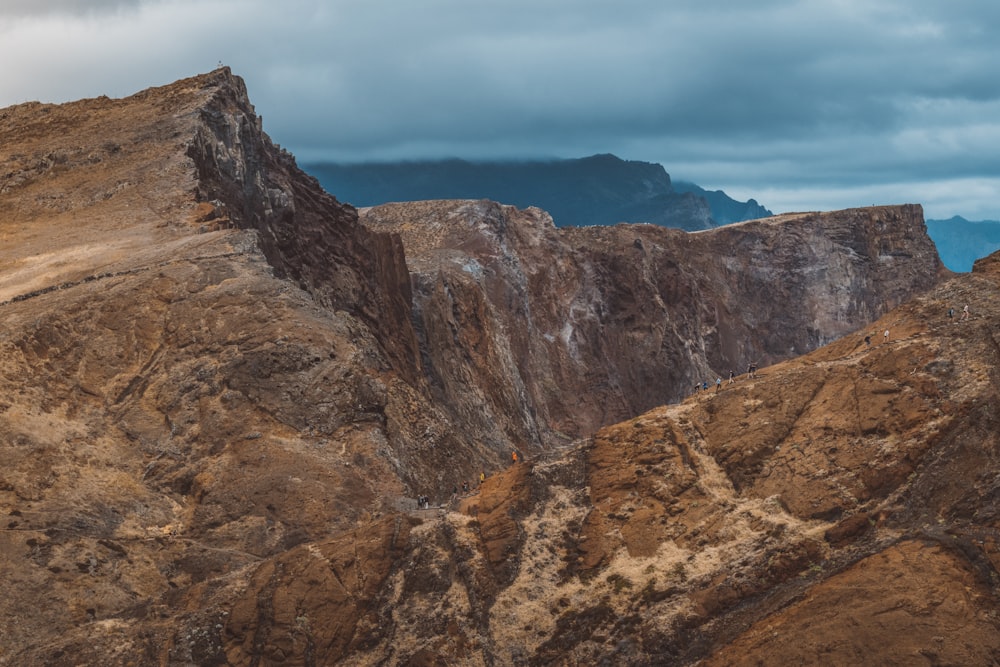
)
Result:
{"points": [[718, 385], [465, 487], [868, 341], [732, 376], [704, 386], [965, 312], [885, 336], [951, 313], [482, 477], [513, 457]]}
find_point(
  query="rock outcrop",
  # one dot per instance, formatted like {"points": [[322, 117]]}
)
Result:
{"points": [[568, 330], [220, 393]]}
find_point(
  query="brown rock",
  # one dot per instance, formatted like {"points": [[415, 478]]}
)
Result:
{"points": [[572, 329], [219, 395]]}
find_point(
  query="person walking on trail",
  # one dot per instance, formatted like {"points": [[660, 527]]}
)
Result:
{"points": [[868, 341], [951, 313], [965, 312], [513, 457], [885, 336], [718, 385], [482, 477], [732, 376]]}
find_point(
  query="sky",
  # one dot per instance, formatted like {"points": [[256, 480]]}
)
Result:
{"points": [[800, 104]]}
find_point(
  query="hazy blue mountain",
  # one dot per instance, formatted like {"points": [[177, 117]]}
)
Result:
{"points": [[725, 209], [961, 242], [596, 190]]}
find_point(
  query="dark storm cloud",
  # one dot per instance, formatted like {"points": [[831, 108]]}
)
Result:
{"points": [[817, 104]]}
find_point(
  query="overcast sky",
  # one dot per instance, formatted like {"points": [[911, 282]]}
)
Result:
{"points": [[802, 105]]}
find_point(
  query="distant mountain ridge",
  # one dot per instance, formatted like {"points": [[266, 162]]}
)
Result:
{"points": [[725, 209], [961, 242], [595, 190]]}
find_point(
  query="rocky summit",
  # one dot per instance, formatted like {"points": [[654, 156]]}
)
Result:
{"points": [[224, 392]]}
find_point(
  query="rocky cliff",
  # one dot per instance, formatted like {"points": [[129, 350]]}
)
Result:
{"points": [[221, 393], [567, 330]]}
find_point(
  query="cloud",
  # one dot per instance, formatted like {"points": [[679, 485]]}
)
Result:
{"points": [[73, 7], [781, 95]]}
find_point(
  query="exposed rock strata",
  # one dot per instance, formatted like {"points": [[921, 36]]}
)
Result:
{"points": [[306, 235], [572, 329]]}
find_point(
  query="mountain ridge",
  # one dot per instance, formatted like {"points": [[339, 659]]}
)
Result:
{"points": [[223, 391], [597, 190], [961, 242]]}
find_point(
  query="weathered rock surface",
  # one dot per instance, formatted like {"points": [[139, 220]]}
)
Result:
{"points": [[219, 391], [572, 329], [839, 508], [174, 404]]}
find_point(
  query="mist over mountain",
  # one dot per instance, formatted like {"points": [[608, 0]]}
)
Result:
{"points": [[595, 190], [961, 242]]}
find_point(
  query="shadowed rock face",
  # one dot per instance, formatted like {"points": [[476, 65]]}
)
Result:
{"points": [[595, 325], [219, 393], [305, 234]]}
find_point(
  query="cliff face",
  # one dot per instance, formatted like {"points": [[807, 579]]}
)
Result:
{"points": [[305, 234], [596, 325], [220, 393]]}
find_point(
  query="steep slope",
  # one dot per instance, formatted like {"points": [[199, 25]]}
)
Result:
{"points": [[174, 404], [840, 508], [573, 329]]}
